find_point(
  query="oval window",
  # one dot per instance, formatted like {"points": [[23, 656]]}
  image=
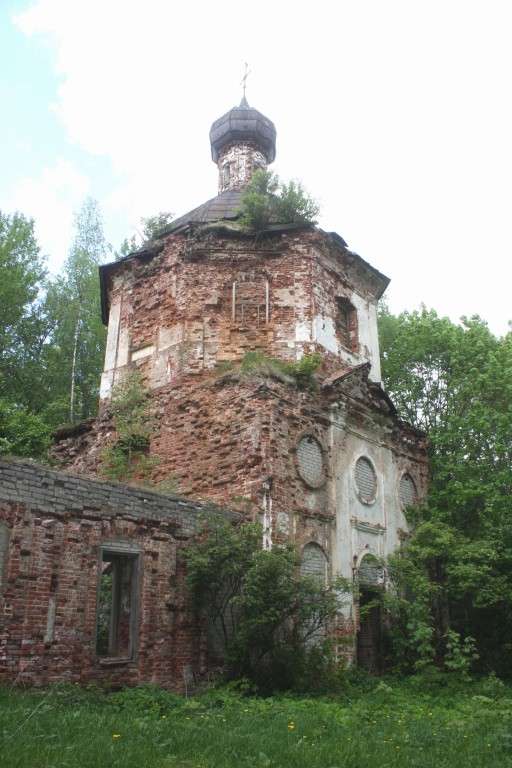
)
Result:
{"points": [[310, 461], [408, 493], [366, 480]]}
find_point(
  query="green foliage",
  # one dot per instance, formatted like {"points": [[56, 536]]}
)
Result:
{"points": [[22, 433], [144, 700], [265, 613], [75, 351], [267, 200], [150, 228], [126, 457], [153, 225], [460, 653], [455, 382], [23, 324], [428, 721], [302, 371]]}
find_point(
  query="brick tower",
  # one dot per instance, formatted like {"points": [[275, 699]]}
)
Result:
{"points": [[329, 466]]}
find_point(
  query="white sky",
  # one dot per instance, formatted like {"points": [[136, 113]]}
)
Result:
{"points": [[396, 114]]}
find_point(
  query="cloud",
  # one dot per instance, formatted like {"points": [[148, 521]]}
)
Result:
{"points": [[51, 200]]}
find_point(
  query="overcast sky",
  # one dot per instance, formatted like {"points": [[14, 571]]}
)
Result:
{"points": [[396, 114]]}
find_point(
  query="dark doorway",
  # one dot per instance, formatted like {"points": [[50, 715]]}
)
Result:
{"points": [[369, 646]]}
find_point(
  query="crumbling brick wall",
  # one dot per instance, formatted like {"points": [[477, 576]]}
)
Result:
{"points": [[56, 525]]}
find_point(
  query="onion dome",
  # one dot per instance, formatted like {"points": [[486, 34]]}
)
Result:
{"points": [[243, 125]]}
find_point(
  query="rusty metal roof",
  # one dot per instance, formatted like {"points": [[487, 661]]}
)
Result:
{"points": [[224, 206]]}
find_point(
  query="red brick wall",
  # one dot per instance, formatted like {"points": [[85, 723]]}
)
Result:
{"points": [[48, 596]]}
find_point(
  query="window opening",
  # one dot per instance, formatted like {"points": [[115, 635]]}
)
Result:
{"points": [[117, 604], [366, 480], [370, 579], [251, 303], [408, 494], [226, 173], [314, 564], [346, 323], [310, 461]]}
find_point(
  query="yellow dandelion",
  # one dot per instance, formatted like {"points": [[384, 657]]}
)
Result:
{"points": [[164, 717], [116, 735], [291, 726]]}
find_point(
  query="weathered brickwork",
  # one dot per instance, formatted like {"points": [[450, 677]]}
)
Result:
{"points": [[208, 296], [327, 465], [49, 593], [237, 162]]}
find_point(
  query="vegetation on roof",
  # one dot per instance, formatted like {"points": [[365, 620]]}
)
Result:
{"points": [[266, 199]]}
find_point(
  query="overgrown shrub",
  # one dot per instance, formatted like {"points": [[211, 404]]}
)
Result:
{"points": [[266, 615], [267, 200], [126, 456], [302, 371]]}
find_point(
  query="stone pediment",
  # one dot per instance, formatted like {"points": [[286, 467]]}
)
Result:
{"points": [[356, 384]]}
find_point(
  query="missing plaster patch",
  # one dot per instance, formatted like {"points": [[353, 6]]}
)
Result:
{"points": [[137, 354]]}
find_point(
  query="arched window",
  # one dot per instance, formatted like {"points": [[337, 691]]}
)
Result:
{"points": [[314, 563], [370, 580], [408, 492]]}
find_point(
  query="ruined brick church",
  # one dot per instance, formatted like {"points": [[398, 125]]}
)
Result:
{"points": [[330, 467]]}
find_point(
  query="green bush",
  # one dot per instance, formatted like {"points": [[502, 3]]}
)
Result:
{"points": [[267, 617], [127, 455], [267, 200]]}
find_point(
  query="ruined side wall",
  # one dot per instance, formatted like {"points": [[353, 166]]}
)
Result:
{"points": [[48, 591]]}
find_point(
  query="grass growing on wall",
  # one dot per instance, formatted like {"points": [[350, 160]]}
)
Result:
{"points": [[384, 723]]}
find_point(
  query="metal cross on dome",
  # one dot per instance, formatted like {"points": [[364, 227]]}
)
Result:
{"points": [[243, 81]]}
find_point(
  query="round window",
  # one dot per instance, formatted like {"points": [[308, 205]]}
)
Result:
{"points": [[408, 493], [366, 480], [310, 461]]}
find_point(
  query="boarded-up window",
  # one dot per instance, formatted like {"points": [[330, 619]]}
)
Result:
{"points": [[116, 625], [408, 493], [366, 480], [314, 563], [310, 461]]}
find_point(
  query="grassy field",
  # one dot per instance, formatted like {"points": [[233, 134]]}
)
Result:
{"points": [[380, 722]]}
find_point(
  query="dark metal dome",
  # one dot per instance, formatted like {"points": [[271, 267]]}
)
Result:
{"points": [[241, 124]]}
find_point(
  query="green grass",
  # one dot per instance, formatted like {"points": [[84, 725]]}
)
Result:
{"points": [[388, 724]]}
